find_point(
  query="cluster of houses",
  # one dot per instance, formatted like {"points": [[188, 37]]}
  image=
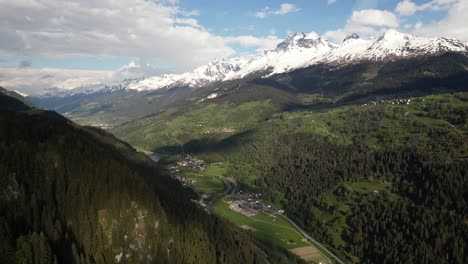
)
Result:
{"points": [[247, 208], [250, 204], [189, 161], [402, 101]]}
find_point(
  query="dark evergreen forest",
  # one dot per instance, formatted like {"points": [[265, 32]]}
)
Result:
{"points": [[72, 194]]}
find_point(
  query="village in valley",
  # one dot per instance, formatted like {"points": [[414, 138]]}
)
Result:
{"points": [[248, 204], [223, 196]]}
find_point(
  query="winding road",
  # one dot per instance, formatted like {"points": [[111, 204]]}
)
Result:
{"points": [[230, 187]]}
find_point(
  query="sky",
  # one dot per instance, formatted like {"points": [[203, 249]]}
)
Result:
{"points": [[61, 43]]}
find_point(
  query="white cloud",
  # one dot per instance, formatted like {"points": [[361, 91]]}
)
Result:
{"points": [[31, 81], [187, 22], [284, 9], [135, 70], [268, 42], [367, 22], [373, 17], [452, 25], [157, 30], [331, 2], [408, 7]]}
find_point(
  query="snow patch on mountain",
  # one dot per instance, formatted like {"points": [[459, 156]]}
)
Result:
{"points": [[20, 93]]}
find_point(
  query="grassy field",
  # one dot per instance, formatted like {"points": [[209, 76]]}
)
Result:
{"points": [[271, 227], [274, 229], [208, 180], [386, 119]]}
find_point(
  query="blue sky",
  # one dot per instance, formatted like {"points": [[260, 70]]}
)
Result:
{"points": [[238, 18], [178, 35]]}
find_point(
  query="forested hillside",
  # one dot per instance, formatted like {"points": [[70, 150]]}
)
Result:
{"points": [[381, 177], [385, 182], [78, 195]]}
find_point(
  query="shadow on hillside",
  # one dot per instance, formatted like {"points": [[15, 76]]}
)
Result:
{"points": [[385, 91], [205, 145]]}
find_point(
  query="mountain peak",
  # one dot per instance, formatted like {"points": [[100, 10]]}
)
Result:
{"points": [[392, 34], [298, 36], [300, 39], [352, 36]]}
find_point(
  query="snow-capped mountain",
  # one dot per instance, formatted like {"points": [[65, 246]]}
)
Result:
{"points": [[288, 55], [216, 70], [391, 45], [296, 51], [303, 50]]}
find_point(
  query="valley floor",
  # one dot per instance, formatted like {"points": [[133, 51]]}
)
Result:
{"points": [[248, 211]]}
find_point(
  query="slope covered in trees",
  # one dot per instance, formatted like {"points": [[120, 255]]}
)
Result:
{"points": [[78, 195], [311, 161], [313, 164]]}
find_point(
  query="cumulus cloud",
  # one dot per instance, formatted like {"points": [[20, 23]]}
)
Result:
{"points": [[283, 9], [157, 29], [408, 7], [366, 22], [452, 25], [372, 17], [331, 2]]}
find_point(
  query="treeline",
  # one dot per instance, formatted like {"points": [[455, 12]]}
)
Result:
{"points": [[69, 196]]}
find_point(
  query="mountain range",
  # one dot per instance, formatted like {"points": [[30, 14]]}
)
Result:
{"points": [[295, 52]]}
